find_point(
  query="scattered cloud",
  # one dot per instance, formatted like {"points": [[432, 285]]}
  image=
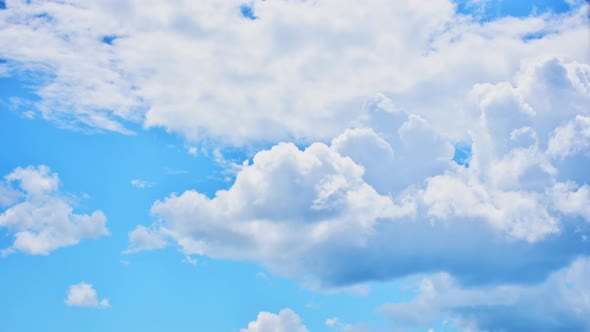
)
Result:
{"points": [[141, 184], [170, 171], [142, 238], [360, 178], [189, 260], [192, 151], [336, 324], [285, 321], [42, 219], [84, 295]]}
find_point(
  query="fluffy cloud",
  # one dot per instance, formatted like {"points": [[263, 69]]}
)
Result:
{"points": [[41, 218], [307, 213], [302, 70], [288, 201], [84, 295], [379, 92], [285, 321], [560, 302]]}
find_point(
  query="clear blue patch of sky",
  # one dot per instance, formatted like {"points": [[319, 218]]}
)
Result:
{"points": [[248, 12], [108, 39], [487, 10], [2, 4], [462, 154]]}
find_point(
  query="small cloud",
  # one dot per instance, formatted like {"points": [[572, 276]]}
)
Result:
{"points": [[189, 260], [143, 238], [332, 322], [84, 295], [141, 184], [29, 114], [335, 323], [124, 262], [285, 320], [175, 171], [192, 150], [262, 275]]}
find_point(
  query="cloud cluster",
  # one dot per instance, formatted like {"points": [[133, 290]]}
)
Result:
{"points": [[84, 295], [380, 94], [302, 70], [285, 321], [40, 218], [368, 193]]}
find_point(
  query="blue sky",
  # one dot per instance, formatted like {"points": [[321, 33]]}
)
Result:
{"points": [[294, 166]]}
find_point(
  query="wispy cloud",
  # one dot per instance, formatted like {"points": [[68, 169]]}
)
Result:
{"points": [[141, 184]]}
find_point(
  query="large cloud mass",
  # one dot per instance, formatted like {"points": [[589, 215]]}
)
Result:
{"points": [[302, 70], [375, 205]]}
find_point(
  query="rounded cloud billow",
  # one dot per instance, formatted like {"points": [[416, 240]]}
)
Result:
{"points": [[396, 201]]}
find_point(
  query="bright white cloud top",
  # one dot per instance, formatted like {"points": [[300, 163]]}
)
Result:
{"points": [[285, 321], [303, 70], [355, 116], [40, 217], [84, 295]]}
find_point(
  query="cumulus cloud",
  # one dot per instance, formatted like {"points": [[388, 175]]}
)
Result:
{"points": [[84, 295], [396, 204], [101, 64], [285, 321], [40, 217], [378, 110], [560, 302]]}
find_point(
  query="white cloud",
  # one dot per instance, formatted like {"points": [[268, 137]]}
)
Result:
{"points": [[7, 195], [142, 238], [331, 322], [571, 138], [285, 321], [84, 295], [281, 207], [375, 188], [252, 84], [335, 323], [43, 220], [141, 184], [560, 302]]}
